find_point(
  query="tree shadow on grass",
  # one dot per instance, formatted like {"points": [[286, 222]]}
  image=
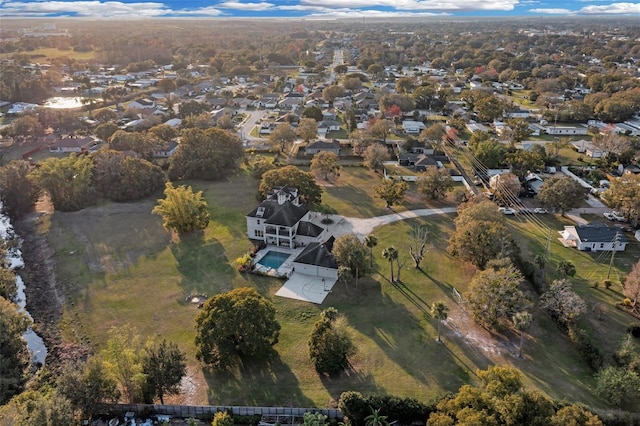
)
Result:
{"points": [[354, 379], [263, 382], [203, 264], [401, 336]]}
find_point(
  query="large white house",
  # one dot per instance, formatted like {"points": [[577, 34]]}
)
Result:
{"points": [[282, 220], [593, 237]]}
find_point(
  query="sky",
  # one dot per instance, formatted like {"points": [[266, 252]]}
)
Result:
{"points": [[312, 9]]}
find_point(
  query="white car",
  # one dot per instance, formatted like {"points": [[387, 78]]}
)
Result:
{"points": [[540, 210], [614, 215], [618, 216], [506, 210]]}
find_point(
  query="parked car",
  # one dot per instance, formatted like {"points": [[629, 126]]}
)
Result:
{"points": [[540, 210], [506, 210], [614, 215], [618, 216]]}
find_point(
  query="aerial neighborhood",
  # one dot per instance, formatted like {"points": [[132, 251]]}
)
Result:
{"points": [[366, 222]]}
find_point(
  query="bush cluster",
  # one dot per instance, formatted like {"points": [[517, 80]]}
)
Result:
{"points": [[357, 407], [589, 351]]}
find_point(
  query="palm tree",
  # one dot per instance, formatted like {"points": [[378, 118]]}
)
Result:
{"points": [[439, 312], [566, 268], [375, 419], [391, 254], [371, 241], [521, 321]]}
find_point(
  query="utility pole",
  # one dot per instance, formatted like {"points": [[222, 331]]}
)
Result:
{"points": [[613, 253]]}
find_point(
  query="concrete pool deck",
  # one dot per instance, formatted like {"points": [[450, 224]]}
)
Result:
{"points": [[307, 288]]}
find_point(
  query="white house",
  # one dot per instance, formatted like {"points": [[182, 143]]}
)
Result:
{"points": [[412, 127], [588, 148], [282, 220], [593, 237], [68, 145], [566, 130]]}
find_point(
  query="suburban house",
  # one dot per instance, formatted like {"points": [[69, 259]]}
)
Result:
{"points": [[588, 148], [67, 145], [566, 130], [167, 150], [327, 126], [412, 127], [419, 162], [594, 236], [322, 145], [282, 220], [144, 103]]}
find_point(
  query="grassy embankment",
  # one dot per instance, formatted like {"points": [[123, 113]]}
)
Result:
{"points": [[120, 266]]}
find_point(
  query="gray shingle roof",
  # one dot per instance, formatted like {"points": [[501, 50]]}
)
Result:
{"points": [[318, 254], [597, 232], [287, 214]]}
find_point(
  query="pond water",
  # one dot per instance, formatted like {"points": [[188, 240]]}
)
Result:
{"points": [[62, 102], [35, 344]]}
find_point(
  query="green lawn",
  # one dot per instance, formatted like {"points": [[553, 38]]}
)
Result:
{"points": [[46, 55], [119, 266]]}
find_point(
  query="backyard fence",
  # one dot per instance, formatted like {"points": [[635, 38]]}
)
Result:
{"points": [[143, 410]]}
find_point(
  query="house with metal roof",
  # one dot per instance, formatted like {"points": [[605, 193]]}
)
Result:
{"points": [[595, 236]]}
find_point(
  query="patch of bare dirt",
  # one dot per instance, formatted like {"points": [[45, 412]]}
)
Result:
{"points": [[490, 345]]}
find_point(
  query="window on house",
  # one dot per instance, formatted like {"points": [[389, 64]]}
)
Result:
{"points": [[259, 233], [601, 245]]}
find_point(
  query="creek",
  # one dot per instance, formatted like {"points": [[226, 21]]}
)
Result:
{"points": [[14, 261]]}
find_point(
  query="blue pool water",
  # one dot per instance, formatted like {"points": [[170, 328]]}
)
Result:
{"points": [[273, 259]]}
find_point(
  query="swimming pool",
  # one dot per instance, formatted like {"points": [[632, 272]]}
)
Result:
{"points": [[273, 259]]}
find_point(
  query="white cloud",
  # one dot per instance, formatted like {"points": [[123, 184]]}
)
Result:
{"points": [[84, 8], [413, 5], [245, 6], [612, 9], [552, 11], [359, 14], [203, 11]]}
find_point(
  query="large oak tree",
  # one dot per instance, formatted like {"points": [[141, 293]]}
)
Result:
{"points": [[236, 324], [292, 176], [206, 154]]}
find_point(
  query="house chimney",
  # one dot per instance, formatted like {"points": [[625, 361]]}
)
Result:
{"points": [[282, 197]]}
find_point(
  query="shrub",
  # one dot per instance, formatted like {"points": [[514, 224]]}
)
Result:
{"points": [[634, 329], [590, 352], [627, 302], [404, 410], [222, 418], [607, 284], [247, 420]]}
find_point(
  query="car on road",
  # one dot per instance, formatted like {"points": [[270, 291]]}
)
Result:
{"points": [[540, 210], [614, 215], [506, 210]]}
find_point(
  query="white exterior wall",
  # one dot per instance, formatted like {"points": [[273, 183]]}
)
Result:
{"points": [[601, 246], [315, 271], [254, 224], [551, 130]]}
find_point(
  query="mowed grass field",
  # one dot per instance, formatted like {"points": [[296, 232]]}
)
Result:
{"points": [[47, 55], [120, 266]]}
